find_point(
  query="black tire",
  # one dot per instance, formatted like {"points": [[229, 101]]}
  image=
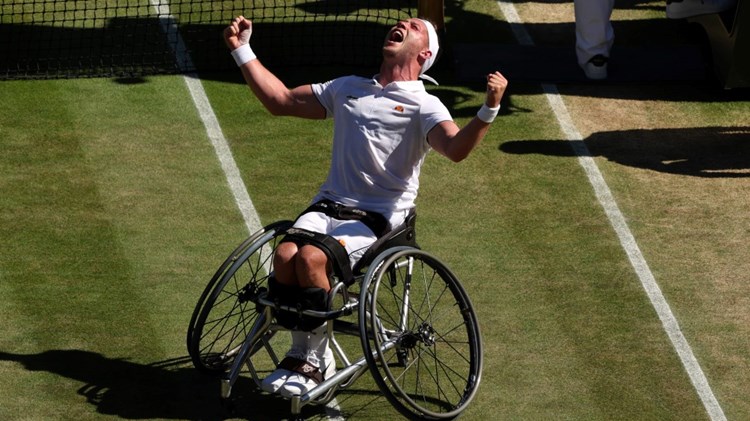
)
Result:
{"points": [[420, 335], [226, 311]]}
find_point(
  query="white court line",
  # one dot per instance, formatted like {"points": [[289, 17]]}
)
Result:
{"points": [[627, 240], [207, 116], [215, 134]]}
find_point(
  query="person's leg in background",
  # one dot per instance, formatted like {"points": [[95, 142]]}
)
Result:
{"points": [[594, 36]]}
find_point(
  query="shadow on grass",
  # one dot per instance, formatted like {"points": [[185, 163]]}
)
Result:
{"points": [[170, 389], [699, 152]]}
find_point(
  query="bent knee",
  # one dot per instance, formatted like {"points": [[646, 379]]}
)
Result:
{"points": [[312, 257], [285, 254]]}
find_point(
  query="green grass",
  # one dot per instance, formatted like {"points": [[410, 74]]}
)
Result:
{"points": [[106, 240], [114, 213]]}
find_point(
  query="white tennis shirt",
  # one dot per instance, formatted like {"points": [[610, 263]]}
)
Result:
{"points": [[379, 141]]}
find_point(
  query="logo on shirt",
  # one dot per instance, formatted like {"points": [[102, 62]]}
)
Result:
{"points": [[399, 108]]}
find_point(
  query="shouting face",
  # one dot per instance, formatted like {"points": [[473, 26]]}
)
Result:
{"points": [[407, 38]]}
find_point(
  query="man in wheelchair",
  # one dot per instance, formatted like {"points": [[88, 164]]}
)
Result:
{"points": [[383, 128]]}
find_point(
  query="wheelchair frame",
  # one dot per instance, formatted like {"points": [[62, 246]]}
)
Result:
{"points": [[418, 331]]}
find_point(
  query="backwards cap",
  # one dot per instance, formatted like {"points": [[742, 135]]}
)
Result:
{"points": [[434, 47]]}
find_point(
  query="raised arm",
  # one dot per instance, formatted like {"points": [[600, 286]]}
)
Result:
{"points": [[456, 143], [272, 93]]}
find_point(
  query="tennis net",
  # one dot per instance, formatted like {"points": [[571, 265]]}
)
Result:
{"points": [[130, 38]]}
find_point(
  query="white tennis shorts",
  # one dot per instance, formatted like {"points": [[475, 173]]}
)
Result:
{"points": [[355, 236]]}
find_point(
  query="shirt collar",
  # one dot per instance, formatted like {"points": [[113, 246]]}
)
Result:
{"points": [[405, 85]]}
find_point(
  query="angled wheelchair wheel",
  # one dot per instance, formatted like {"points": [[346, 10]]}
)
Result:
{"points": [[420, 335], [227, 310]]}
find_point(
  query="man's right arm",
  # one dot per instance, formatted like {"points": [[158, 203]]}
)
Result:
{"points": [[272, 93]]}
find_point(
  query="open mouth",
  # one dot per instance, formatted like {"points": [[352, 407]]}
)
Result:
{"points": [[396, 36]]}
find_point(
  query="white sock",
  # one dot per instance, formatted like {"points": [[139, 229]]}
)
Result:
{"points": [[319, 355]]}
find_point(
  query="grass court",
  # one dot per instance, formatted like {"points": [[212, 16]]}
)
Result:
{"points": [[115, 212]]}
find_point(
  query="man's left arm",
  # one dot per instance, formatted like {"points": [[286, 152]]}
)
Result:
{"points": [[456, 143]]}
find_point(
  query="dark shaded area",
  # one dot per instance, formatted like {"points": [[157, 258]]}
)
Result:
{"points": [[126, 47], [170, 389], [650, 51], [715, 152], [119, 52], [65, 44], [647, 51], [550, 64], [652, 59], [298, 44]]}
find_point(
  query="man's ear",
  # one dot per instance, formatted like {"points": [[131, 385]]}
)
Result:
{"points": [[424, 55]]}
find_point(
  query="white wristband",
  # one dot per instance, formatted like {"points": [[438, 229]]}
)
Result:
{"points": [[243, 54], [487, 114]]}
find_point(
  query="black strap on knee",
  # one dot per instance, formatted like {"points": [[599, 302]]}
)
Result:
{"points": [[299, 299], [312, 299], [287, 295], [331, 247]]}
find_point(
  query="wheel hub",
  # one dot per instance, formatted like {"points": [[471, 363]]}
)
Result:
{"points": [[247, 293], [425, 335]]}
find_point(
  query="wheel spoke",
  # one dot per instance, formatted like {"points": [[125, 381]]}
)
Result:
{"points": [[228, 309]]}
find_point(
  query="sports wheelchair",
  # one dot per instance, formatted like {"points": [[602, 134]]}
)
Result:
{"points": [[416, 325]]}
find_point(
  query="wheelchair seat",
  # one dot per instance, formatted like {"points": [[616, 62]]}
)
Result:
{"points": [[404, 235]]}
